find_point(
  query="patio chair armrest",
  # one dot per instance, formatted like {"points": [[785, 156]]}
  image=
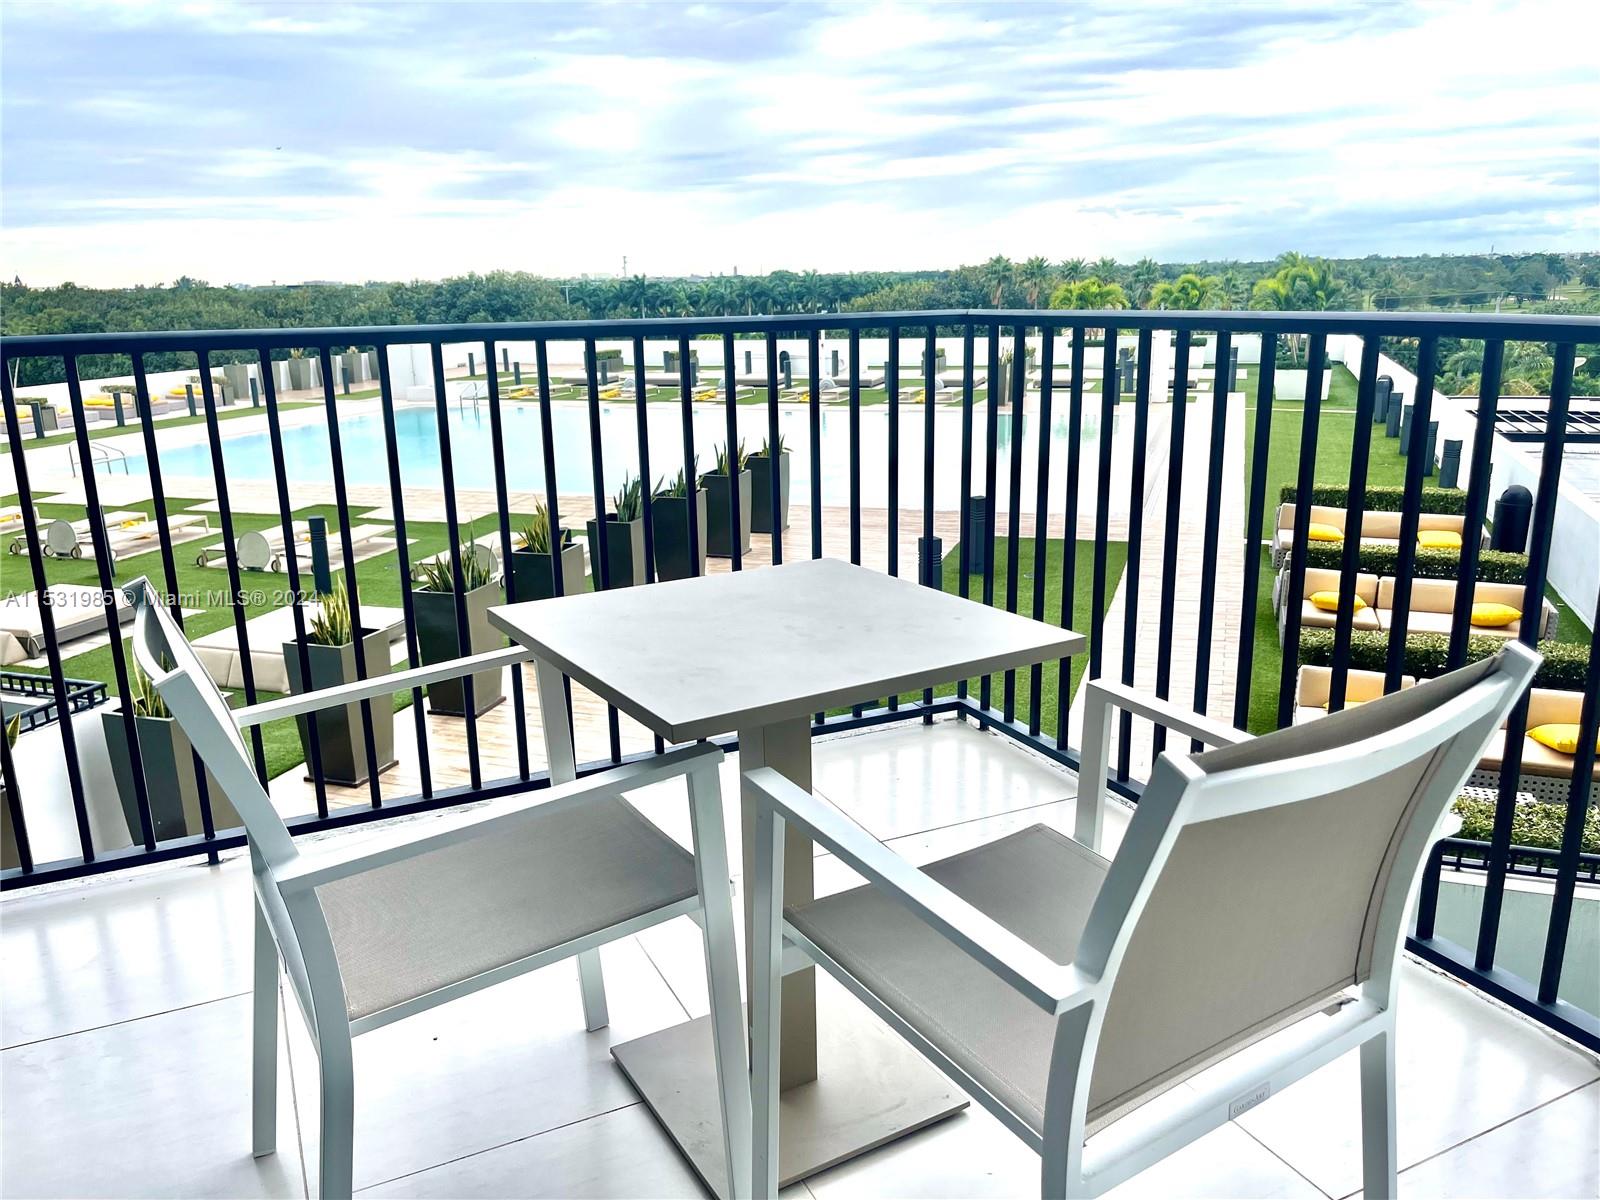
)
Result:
{"points": [[386, 684], [1052, 986], [310, 871], [1100, 696]]}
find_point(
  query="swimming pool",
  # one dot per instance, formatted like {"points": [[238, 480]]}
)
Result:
{"points": [[247, 456]]}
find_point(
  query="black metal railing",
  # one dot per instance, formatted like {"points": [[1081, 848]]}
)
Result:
{"points": [[1055, 393]]}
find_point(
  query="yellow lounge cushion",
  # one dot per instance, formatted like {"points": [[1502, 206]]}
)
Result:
{"points": [[1318, 532], [1439, 539], [1559, 737], [1494, 616], [1329, 601], [1348, 704]]}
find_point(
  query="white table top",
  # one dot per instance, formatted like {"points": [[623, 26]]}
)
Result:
{"points": [[698, 657]]}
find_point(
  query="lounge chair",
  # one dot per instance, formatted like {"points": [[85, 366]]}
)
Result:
{"points": [[1245, 935], [1377, 528], [1433, 603], [368, 936], [78, 610], [1545, 774], [262, 549], [1314, 684], [141, 537], [70, 539]]}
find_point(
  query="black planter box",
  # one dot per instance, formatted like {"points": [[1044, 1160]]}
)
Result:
{"points": [[624, 550], [300, 374], [341, 732], [438, 643], [533, 576], [761, 486], [715, 488], [669, 516], [171, 782]]}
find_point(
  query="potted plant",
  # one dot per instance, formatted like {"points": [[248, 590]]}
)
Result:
{"points": [[237, 376], [760, 465], [533, 565], [299, 370], [351, 361], [434, 604], [331, 656], [718, 486], [669, 519], [172, 784], [623, 537]]}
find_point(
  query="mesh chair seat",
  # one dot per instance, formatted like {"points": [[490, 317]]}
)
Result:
{"points": [[1040, 885], [406, 929]]}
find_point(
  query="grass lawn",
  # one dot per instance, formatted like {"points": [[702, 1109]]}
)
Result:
{"points": [[1082, 602], [101, 430]]}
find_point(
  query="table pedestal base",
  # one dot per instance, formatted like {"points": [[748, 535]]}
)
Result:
{"points": [[870, 1089]]}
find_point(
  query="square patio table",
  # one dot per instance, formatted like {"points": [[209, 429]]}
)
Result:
{"points": [[756, 653]]}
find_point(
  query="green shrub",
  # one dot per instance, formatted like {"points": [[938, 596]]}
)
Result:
{"points": [[1494, 566], [615, 355], [1427, 655], [1533, 823], [1450, 502]]}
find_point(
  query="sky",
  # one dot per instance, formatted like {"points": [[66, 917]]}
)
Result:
{"points": [[252, 143]]}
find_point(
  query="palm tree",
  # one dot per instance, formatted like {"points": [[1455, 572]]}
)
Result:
{"points": [[1145, 275], [636, 293], [1088, 294], [1034, 276], [1073, 269], [997, 273], [1104, 268], [1188, 292], [811, 292]]}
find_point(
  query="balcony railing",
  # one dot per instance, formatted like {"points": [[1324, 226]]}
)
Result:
{"points": [[1060, 443]]}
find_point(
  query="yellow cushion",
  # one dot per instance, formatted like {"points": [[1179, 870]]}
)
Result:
{"points": [[1494, 616], [1439, 539], [1559, 737], [1347, 703], [1329, 601], [1319, 532]]}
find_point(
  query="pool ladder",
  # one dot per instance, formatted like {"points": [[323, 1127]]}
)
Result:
{"points": [[99, 456]]}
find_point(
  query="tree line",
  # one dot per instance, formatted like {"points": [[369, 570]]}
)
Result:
{"points": [[1526, 282]]}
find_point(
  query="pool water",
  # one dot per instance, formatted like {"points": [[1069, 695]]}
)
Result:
{"points": [[247, 456]]}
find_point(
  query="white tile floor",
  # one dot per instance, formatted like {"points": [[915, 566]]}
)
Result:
{"points": [[125, 1068]]}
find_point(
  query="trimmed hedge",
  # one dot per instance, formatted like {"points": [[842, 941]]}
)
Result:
{"points": [[1532, 824], [1427, 654], [1494, 566], [1449, 502]]}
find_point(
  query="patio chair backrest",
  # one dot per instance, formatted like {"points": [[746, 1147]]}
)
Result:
{"points": [[1258, 881], [164, 654]]}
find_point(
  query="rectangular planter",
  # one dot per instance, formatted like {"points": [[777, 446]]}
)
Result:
{"points": [[716, 489], [624, 551], [171, 782], [46, 416], [533, 575], [351, 363], [299, 374], [341, 732], [238, 377], [761, 487], [669, 516], [438, 642]]}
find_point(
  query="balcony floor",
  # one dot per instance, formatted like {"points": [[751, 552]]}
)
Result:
{"points": [[125, 1019]]}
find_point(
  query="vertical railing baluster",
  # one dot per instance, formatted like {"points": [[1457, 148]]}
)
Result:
{"points": [[1221, 384], [1041, 516], [891, 392], [1132, 566], [230, 553], [641, 415], [991, 468], [47, 620], [552, 504], [1410, 515], [600, 544], [497, 449], [1171, 531], [775, 461], [169, 567], [1069, 531], [731, 414], [965, 517], [1578, 809], [1109, 395], [1261, 447], [397, 508], [855, 445], [369, 737], [691, 483], [291, 566], [814, 396], [1019, 379], [1305, 480], [447, 474], [1355, 507], [1539, 546], [1477, 509]]}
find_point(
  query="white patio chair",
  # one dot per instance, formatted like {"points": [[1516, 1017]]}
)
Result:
{"points": [[369, 936], [1260, 895]]}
